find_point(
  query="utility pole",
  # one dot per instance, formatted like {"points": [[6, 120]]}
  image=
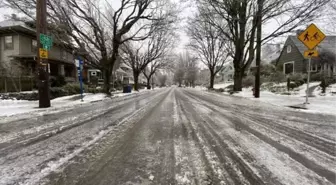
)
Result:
{"points": [[42, 64], [258, 57]]}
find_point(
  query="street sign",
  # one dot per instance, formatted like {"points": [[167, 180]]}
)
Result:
{"points": [[77, 62], [312, 36], [79, 65], [43, 53], [46, 41], [310, 53]]}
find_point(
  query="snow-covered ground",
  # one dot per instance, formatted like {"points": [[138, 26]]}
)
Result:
{"points": [[330, 91], [223, 85], [319, 104], [14, 107]]}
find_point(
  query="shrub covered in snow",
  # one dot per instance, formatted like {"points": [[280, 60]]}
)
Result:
{"points": [[317, 77], [19, 96], [248, 81], [276, 77], [298, 78]]}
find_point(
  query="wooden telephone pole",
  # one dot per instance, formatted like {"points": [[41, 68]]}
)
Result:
{"points": [[42, 64], [258, 57]]}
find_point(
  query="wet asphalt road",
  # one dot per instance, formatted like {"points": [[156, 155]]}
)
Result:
{"points": [[170, 136]]}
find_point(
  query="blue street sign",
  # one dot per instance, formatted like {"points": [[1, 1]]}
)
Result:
{"points": [[80, 69]]}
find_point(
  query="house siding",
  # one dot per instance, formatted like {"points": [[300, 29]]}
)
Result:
{"points": [[26, 45], [23, 46], [6, 53], [294, 55]]}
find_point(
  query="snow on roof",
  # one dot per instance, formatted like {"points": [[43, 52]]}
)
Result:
{"points": [[13, 23]]}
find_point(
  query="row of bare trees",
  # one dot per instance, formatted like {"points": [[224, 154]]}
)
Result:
{"points": [[185, 69], [101, 28], [222, 29], [147, 56]]}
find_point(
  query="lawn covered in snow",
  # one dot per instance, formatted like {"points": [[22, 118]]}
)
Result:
{"points": [[320, 103], [13, 107]]}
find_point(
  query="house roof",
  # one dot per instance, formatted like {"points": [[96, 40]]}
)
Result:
{"points": [[329, 43], [10, 25]]}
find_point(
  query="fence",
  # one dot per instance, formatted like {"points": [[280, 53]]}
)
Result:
{"points": [[17, 84]]}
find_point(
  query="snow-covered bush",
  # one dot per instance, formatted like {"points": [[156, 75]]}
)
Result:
{"points": [[248, 81]]}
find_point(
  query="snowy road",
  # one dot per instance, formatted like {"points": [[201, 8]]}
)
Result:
{"points": [[170, 136]]}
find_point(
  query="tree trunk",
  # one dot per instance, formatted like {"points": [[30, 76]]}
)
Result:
{"points": [[212, 80], [107, 76], [136, 81], [148, 83], [238, 80]]}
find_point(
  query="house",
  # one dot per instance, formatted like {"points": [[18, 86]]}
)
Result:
{"points": [[121, 75], [227, 72], [291, 59], [18, 49]]}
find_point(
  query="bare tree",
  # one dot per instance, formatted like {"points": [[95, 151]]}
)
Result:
{"points": [[191, 69], [209, 45], [162, 78], [179, 76], [152, 68], [157, 46], [186, 69], [236, 20], [96, 30]]}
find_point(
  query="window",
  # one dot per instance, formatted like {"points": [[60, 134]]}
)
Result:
{"points": [[63, 55], [289, 48], [313, 68], [33, 46], [9, 45], [288, 67]]}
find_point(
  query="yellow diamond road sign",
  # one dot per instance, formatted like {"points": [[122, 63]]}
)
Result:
{"points": [[43, 53], [311, 37], [310, 53]]}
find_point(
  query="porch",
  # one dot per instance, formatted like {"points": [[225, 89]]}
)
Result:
{"points": [[326, 68], [28, 64]]}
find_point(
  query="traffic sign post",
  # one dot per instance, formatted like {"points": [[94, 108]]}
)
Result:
{"points": [[308, 79], [79, 64], [311, 38]]}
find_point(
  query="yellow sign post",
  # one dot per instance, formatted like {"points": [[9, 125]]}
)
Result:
{"points": [[310, 53], [43, 53], [311, 37]]}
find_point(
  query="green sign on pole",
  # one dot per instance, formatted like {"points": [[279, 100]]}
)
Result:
{"points": [[46, 41]]}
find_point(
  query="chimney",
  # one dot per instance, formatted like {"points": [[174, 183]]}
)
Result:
{"points": [[14, 17]]}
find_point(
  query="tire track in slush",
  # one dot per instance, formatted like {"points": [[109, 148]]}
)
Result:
{"points": [[35, 159], [139, 151], [321, 171], [239, 172], [26, 140], [193, 165], [309, 139]]}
